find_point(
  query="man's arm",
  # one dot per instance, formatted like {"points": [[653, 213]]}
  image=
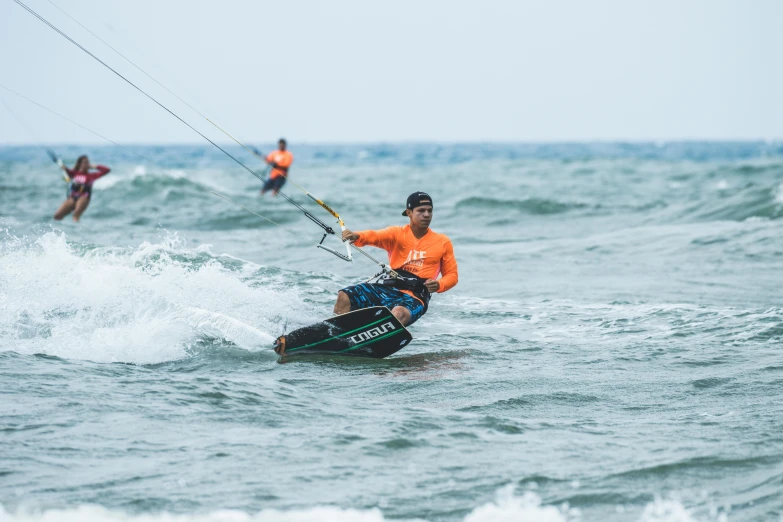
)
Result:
{"points": [[378, 238], [283, 164], [449, 271]]}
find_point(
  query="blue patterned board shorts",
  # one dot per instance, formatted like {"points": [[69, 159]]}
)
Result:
{"points": [[274, 183], [366, 295]]}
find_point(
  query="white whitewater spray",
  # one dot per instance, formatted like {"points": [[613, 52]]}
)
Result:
{"points": [[144, 305], [507, 507]]}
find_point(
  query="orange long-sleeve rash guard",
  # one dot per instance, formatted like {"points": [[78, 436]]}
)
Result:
{"points": [[281, 158], [427, 257]]}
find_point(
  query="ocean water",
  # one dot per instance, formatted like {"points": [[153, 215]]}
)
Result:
{"points": [[613, 351]]}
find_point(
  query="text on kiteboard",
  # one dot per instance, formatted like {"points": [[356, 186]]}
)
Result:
{"points": [[372, 333]]}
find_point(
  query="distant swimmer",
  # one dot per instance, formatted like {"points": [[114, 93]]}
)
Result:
{"points": [[419, 255], [82, 176], [280, 161]]}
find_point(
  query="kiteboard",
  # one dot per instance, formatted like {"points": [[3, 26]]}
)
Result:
{"points": [[369, 332]]}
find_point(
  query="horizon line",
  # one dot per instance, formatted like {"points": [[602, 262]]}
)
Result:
{"points": [[650, 141]]}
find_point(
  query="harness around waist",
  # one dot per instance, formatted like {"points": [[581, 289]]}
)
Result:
{"points": [[79, 188], [408, 281]]}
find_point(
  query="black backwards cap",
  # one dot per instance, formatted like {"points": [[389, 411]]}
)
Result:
{"points": [[417, 199]]}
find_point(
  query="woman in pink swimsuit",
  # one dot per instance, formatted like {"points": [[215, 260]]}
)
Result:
{"points": [[82, 176]]}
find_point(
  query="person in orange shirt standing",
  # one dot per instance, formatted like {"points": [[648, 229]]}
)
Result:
{"points": [[280, 160], [418, 254]]}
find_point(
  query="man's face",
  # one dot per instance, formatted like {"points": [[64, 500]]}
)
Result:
{"points": [[421, 216], [281, 145]]}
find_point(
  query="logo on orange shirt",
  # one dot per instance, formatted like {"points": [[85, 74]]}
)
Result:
{"points": [[415, 258]]}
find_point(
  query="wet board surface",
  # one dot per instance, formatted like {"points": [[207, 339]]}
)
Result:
{"points": [[370, 332]]}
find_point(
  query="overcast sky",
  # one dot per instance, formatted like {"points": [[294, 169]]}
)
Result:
{"points": [[367, 71]]}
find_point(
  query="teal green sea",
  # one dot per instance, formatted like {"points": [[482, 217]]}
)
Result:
{"points": [[611, 353]]}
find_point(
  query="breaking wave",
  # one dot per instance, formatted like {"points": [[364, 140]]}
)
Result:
{"points": [[144, 305], [507, 507]]}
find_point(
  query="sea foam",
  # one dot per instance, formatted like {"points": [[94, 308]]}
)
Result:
{"points": [[142, 305], [507, 507]]}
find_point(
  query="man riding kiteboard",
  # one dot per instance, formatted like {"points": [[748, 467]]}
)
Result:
{"points": [[370, 318], [280, 161], [416, 253]]}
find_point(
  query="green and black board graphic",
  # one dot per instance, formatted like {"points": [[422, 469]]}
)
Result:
{"points": [[370, 332]]}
